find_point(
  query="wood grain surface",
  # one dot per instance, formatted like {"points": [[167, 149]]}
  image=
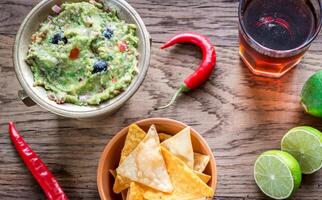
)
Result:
{"points": [[240, 115]]}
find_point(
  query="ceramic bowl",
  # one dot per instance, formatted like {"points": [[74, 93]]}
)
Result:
{"points": [[111, 154], [31, 94]]}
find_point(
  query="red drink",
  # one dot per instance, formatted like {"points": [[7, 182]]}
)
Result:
{"points": [[274, 34]]}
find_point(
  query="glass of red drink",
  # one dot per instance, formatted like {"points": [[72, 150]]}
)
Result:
{"points": [[274, 34]]}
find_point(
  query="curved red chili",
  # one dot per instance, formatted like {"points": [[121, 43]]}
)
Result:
{"points": [[203, 72], [35, 165]]}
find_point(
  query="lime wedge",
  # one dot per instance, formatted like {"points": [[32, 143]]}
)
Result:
{"points": [[305, 144], [277, 174]]}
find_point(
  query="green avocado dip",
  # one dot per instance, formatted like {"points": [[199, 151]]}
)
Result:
{"points": [[84, 55]]}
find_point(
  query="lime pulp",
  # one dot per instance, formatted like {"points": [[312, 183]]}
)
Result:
{"points": [[277, 174], [305, 144]]}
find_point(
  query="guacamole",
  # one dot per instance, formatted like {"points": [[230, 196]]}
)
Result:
{"points": [[84, 55]]}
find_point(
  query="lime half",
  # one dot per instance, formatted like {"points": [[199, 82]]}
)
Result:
{"points": [[277, 174], [305, 144]]}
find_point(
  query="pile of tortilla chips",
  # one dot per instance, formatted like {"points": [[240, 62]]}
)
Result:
{"points": [[170, 170]]}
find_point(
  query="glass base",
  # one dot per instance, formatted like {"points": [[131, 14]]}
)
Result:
{"points": [[269, 69]]}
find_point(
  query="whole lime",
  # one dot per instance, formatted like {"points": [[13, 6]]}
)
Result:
{"points": [[311, 96]]}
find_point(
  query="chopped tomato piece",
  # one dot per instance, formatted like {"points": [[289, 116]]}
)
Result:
{"points": [[122, 46], [74, 53]]}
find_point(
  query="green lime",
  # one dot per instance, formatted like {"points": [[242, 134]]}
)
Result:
{"points": [[311, 96], [277, 174], [305, 144]]}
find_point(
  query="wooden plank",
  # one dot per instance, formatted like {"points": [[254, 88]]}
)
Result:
{"points": [[240, 115]]}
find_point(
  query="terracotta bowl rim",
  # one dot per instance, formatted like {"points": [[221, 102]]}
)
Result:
{"points": [[118, 135]]}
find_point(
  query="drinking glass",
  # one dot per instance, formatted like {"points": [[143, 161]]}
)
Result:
{"points": [[275, 34]]}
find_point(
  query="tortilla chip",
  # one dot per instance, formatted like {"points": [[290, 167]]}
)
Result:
{"points": [[200, 162], [187, 185], [145, 164], [164, 136], [121, 183], [134, 136], [180, 145], [136, 191], [204, 177], [113, 172], [123, 192]]}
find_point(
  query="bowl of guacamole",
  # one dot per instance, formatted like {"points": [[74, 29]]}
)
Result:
{"points": [[84, 61]]}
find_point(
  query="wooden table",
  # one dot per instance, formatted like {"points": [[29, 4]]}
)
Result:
{"points": [[240, 115]]}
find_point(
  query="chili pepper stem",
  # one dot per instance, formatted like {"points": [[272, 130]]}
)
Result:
{"points": [[183, 88]]}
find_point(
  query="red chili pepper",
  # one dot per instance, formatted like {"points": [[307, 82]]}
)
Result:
{"points": [[74, 53], [38, 169], [205, 68]]}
